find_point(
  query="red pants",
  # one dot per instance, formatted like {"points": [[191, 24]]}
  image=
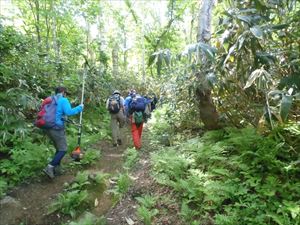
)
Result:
{"points": [[136, 132]]}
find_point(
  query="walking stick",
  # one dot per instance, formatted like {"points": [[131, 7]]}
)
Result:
{"points": [[77, 154]]}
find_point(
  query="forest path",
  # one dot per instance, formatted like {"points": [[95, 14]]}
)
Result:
{"points": [[143, 183], [28, 203]]}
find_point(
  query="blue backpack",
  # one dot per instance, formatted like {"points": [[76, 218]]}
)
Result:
{"points": [[47, 114], [137, 104]]}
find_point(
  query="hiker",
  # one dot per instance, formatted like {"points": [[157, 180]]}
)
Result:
{"points": [[135, 105], [57, 134], [127, 100], [147, 111], [115, 106]]}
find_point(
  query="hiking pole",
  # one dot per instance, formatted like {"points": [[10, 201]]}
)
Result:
{"points": [[77, 154]]}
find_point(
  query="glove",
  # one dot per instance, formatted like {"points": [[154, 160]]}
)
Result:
{"points": [[82, 106]]}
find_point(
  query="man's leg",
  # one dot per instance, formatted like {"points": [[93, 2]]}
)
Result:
{"points": [[135, 136], [114, 128], [60, 142], [140, 129], [121, 121]]}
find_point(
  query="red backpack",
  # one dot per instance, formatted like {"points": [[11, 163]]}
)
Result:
{"points": [[46, 115]]}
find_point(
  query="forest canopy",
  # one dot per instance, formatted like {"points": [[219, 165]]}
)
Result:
{"points": [[214, 65]]}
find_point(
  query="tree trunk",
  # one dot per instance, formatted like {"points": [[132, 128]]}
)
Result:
{"points": [[36, 14], [208, 112], [125, 51], [115, 61], [143, 55], [99, 35], [54, 34]]}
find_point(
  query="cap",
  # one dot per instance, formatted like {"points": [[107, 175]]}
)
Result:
{"points": [[116, 92], [61, 89]]}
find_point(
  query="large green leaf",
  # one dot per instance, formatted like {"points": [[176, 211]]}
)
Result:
{"points": [[279, 26], [257, 32], [285, 106], [246, 19], [207, 49], [151, 59]]}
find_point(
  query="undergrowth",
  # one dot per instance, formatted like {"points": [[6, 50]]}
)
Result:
{"points": [[122, 184], [77, 196], [234, 176], [24, 156], [146, 209], [90, 219], [131, 156]]}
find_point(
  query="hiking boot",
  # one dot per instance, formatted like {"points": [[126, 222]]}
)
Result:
{"points": [[49, 171], [58, 171], [119, 142]]}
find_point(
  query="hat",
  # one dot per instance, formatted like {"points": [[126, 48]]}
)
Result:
{"points": [[116, 92], [61, 89], [132, 92]]}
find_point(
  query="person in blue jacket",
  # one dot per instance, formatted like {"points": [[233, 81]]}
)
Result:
{"points": [[136, 128], [57, 133], [127, 101]]}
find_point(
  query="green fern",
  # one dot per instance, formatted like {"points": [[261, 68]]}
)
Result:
{"points": [[3, 186], [187, 213], [131, 156], [90, 157], [172, 163], [147, 201], [70, 203], [146, 215], [123, 183]]}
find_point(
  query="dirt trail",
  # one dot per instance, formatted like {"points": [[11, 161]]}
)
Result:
{"points": [[29, 202]]}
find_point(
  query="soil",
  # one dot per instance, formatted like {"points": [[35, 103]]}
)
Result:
{"points": [[31, 200]]}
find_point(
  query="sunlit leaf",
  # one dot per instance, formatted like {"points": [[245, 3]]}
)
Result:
{"points": [[254, 75]]}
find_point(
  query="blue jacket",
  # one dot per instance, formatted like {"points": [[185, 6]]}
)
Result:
{"points": [[126, 104], [64, 109]]}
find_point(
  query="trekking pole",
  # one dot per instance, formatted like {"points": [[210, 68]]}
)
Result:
{"points": [[77, 154], [82, 96]]}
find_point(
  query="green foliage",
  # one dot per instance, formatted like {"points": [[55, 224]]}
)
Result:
{"points": [[25, 159], [90, 157], [131, 156], [3, 186], [236, 174], [90, 219], [81, 181], [77, 195], [146, 210], [85, 180], [147, 201], [100, 178], [170, 165], [146, 215], [123, 182], [187, 213], [164, 124], [70, 203]]}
